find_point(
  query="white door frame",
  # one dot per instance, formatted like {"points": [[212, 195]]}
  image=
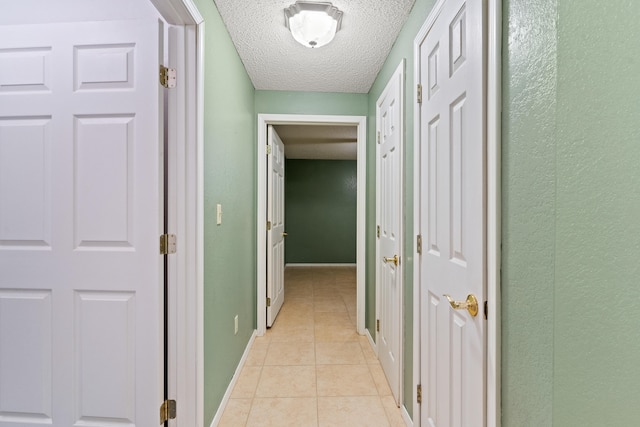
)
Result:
{"points": [[261, 237], [186, 355], [397, 74], [494, 123]]}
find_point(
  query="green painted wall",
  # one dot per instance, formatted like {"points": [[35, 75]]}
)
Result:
{"points": [[597, 274], [571, 202], [285, 102], [229, 179], [402, 49], [528, 210], [320, 211]]}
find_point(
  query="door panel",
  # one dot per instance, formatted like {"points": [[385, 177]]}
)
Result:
{"points": [[452, 218], [389, 163], [275, 202], [81, 183]]}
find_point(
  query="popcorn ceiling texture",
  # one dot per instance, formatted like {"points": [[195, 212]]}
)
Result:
{"points": [[350, 63]]}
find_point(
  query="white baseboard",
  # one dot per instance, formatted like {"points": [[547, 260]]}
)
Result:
{"points": [[406, 417], [232, 384], [374, 347], [319, 264]]}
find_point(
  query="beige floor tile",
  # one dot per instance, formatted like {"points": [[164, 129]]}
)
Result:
{"points": [[333, 304], [380, 379], [281, 412], [345, 380], [394, 414], [257, 353], [287, 381], [245, 387], [292, 334], [367, 351], [330, 291], [352, 411], [313, 350], [304, 291], [291, 353], [331, 319], [235, 413], [329, 333], [350, 301], [289, 319], [297, 306], [337, 353], [347, 291]]}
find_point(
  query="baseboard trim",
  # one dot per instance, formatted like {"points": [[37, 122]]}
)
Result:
{"points": [[232, 384], [406, 417], [320, 264], [372, 343]]}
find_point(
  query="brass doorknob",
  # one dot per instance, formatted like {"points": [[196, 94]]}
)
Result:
{"points": [[284, 234], [394, 260], [471, 304]]}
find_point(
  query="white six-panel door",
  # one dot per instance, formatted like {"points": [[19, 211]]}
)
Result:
{"points": [[389, 125], [452, 215], [80, 215], [275, 239]]}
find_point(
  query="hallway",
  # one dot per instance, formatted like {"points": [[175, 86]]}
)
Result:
{"points": [[312, 368]]}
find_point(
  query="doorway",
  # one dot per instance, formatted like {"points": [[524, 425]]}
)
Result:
{"points": [[280, 119]]}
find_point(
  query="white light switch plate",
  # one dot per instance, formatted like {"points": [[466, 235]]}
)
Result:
{"points": [[218, 214]]}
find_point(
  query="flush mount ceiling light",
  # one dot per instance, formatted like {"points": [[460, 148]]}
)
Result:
{"points": [[313, 24]]}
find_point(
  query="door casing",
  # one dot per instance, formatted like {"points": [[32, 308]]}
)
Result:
{"points": [[493, 179], [185, 200], [261, 237]]}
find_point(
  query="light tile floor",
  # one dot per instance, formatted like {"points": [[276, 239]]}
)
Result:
{"points": [[312, 368]]}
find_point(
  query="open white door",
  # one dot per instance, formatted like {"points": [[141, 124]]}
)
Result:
{"points": [[81, 188], [275, 232], [389, 127], [452, 216]]}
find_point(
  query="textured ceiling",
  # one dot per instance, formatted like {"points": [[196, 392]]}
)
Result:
{"points": [[350, 63], [319, 141]]}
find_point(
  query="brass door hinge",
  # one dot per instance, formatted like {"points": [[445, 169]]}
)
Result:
{"points": [[167, 411], [167, 244], [419, 93], [378, 325], [419, 393], [167, 77], [268, 302], [268, 150], [419, 244], [378, 137], [268, 225], [378, 231]]}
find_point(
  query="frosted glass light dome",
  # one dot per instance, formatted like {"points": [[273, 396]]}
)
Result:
{"points": [[313, 24]]}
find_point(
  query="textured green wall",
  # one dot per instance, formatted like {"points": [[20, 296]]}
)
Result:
{"points": [[229, 179], [402, 49], [528, 210], [284, 102], [597, 275], [320, 211], [571, 202]]}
